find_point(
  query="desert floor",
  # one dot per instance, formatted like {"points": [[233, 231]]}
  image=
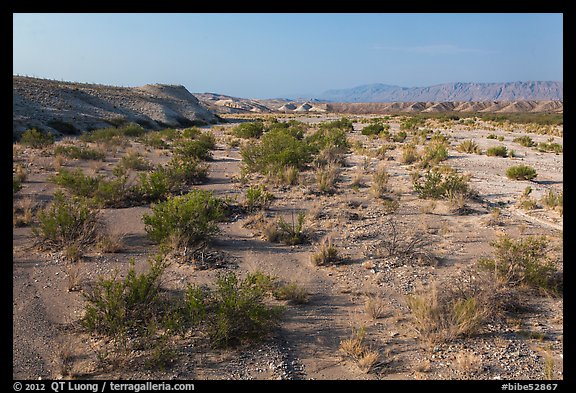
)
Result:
{"points": [[48, 343]]}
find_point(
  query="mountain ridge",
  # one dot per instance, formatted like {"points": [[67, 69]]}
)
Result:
{"points": [[457, 91]]}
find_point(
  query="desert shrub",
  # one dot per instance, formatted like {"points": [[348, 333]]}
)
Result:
{"points": [[553, 200], [135, 161], [375, 129], [379, 182], [292, 232], [412, 123], [114, 306], [157, 185], [292, 292], [355, 347], [154, 139], [326, 253], [492, 136], [257, 198], [521, 172], [343, 123], [444, 315], [328, 137], [249, 130], [497, 151], [409, 154], [437, 185], [191, 133], [76, 182], [277, 150], [525, 202], [66, 220], [236, 311], [131, 130], [109, 136], [82, 153], [434, 153], [326, 177], [522, 262], [399, 136], [36, 139], [192, 216], [468, 146], [189, 172], [193, 149], [550, 147], [16, 184], [525, 141]]}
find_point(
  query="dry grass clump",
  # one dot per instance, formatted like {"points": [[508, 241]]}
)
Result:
{"points": [[375, 307], [380, 182], [326, 253], [355, 347], [445, 312]]}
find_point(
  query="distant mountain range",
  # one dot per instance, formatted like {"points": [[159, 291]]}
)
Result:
{"points": [[508, 91]]}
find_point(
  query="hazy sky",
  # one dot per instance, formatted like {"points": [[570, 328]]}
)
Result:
{"points": [[285, 55]]}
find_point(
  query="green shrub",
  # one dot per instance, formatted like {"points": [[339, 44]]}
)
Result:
{"points": [[550, 147], [76, 182], [492, 136], [525, 141], [276, 151], [82, 153], [135, 161], [114, 306], [154, 139], [249, 130], [16, 184], [497, 151], [192, 216], [434, 153], [522, 261], [131, 130], [36, 139], [328, 138], [375, 129], [237, 312], [292, 233], [194, 149], [400, 136], [521, 172], [343, 123], [257, 198], [437, 185], [412, 123], [67, 220]]}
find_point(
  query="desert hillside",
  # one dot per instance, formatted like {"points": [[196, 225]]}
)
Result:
{"points": [[223, 104], [69, 107]]}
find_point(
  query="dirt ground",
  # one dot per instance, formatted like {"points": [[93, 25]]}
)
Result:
{"points": [[306, 346]]}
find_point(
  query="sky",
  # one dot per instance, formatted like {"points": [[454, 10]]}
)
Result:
{"points": [[288, 55]]}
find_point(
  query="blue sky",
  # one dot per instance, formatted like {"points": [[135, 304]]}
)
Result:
{"points": [[286, 55]]}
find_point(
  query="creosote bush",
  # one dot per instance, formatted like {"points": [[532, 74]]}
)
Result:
{"points": [[497, 151], [521, 172], [192, 216], [523, 261], [437, 185], [67, 220], [36, 139]]}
